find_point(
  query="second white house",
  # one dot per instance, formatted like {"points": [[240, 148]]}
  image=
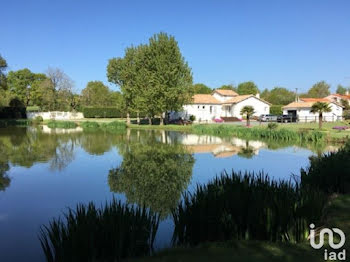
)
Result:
{"points": [[221, 104]]}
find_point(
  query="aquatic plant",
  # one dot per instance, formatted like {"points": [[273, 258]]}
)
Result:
{"points": [[246, 206], [258, 133], [61, 124], [330, 172], [111, 233], [115, 126]]}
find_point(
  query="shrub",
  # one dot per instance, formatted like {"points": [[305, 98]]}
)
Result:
{"points": [[251, 207], [111, 233], [276, 110], [12, 112], [192, 118], [346, 114], [272, 126], [114, 126], [61, 124], [89, 125], [102, 112], [37, 120], [330, 172]]}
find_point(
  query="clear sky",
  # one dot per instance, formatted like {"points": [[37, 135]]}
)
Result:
{"points": [[273, 43]]}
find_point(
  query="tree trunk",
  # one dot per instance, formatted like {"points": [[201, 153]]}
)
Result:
{"points": [[128, 118], [150, 120], [320, 119], [248, 121], [138, 118]]}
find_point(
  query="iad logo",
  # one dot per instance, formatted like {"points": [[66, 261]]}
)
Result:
{"points": [[341, 255]]}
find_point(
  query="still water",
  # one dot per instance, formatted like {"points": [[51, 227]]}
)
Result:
{"points": [[44, 171]]}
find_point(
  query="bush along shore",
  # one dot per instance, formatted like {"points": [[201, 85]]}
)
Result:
{"points": [[236, 206]]}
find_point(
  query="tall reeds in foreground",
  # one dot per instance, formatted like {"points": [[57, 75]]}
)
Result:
{"points": [[111, 233], [246, 206]]}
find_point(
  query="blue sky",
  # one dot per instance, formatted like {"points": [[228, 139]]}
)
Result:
{"points": [[273, 43]]}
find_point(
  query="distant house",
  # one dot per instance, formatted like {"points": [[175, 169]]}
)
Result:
{"points": [[222, 104], [338, 98], [302, 110]]}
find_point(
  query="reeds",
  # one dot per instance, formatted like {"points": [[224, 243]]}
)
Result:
{"points": [[246, 206], [329, 172], [61, 124], [115, 126], [258, 133], [112, 233]]}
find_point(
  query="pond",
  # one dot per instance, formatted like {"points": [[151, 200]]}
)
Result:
{"points": [[44, 171]]}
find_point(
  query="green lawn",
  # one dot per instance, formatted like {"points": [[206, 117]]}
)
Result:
{"points": [[337, 214]]}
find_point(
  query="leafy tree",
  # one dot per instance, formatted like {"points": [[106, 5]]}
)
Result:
{"points": [[278, 96], [345, 104], [153, 78], [201, 89], [320, 108], [95, 94], [248, 111], [341, 90], [19, 83], [247, 88], [3, 67], [169, 170], [319, 90], [228, 87]]}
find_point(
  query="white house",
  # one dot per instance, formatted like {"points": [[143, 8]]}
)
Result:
{"points": [[221, 104], [338, 98], [302, 109]]}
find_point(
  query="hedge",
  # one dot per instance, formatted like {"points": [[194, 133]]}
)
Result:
{"points": [[8, 112], [101, 112], [276, 110]]}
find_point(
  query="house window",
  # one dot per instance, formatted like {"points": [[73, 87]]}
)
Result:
{"points": [[211, 109], [198, 107], [203, 107]]}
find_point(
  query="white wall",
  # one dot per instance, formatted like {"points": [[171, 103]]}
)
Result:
{"points": [[260, 107], [305, 115], [56, 115], [202, 112]]}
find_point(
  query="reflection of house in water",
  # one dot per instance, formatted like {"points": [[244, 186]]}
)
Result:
{"points": [[219, 147], [48, 130]]}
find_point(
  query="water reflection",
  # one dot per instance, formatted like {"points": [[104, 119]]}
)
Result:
{"points": [[153, 175]]}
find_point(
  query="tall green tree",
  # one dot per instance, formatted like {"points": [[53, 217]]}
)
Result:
{"points": [[248, 111], [320, 108], [247, 88], [153, 78], [319, 90], [342, 90], [201, 89], [95, 94], [278, 96], [3, 67], [20, 83]]}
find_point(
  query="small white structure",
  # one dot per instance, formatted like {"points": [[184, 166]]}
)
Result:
{"points": [[221, 104], [56, 115], [302, 110]]}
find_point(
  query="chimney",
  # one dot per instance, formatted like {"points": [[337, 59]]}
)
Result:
{"points": [[347, 92], [257, 95]]}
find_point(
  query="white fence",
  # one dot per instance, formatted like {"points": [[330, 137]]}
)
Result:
{"points": [[311, 119], [56, 115]]}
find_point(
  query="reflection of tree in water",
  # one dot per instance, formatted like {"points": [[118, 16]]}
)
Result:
{"points": [[4, 167], [153, 175], [247, 151]]}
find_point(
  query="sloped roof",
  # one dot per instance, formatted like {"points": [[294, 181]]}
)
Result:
{"points": [[308, 104], [326, 100], [204, 99], [237, 99], [347, 97], [225, 92]]}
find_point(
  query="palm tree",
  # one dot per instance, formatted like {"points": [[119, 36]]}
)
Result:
{"points": [[320, 108], [248, 111]]}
